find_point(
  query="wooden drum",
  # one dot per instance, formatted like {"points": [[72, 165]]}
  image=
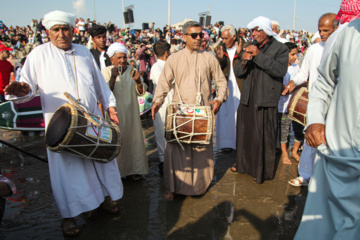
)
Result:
{"points": [[70, 131], [189, 124], [298, 106]]}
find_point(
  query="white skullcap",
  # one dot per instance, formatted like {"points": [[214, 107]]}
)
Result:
{"points": [[274, 22], [115, 48], [263, 23], [58, 18], [316, 35]]}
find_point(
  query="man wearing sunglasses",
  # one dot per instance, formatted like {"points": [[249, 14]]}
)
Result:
{"points": [[263, 66], [190, 171]]}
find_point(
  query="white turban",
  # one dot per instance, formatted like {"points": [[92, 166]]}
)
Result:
{"points": [[263, 23], [58, 18], [115, 48]]}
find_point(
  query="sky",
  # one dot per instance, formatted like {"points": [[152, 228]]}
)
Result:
{"points": [[236, 12]]}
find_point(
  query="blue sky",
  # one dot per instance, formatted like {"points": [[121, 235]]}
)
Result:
{"points": [[236, 12]]}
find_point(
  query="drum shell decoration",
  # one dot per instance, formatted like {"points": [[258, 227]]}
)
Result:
{"points": [[203, 125], [77, 141], [298, 106]]}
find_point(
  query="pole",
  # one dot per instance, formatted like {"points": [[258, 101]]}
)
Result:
{"points": [[294, 14], [23, 151], [169, 15], [123, 6], [94, 11]]}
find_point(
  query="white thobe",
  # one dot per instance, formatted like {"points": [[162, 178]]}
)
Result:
{"points": [[309, 71], [332, 209], [309, 65], [159, 122], [226, 117], [78, 184]]}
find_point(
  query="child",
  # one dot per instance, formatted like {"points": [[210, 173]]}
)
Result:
{"points": [[284, 119]]}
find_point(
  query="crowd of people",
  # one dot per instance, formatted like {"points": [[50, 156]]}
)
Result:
{"points": [[247, 76]]}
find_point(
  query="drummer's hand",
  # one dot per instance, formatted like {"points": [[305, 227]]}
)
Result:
{"points": [[113, 115], [289, 88], [18, 89], [155, 108], [315, 135], [216, 105], [136, 77]]}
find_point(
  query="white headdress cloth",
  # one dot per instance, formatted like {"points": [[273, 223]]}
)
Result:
{"points": [[115, 48], [263, 23], [58, 18]]}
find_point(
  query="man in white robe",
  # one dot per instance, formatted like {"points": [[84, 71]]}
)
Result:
{"points": [[162, 52], [228, 54], [332, 209], [327, 25], [79, 185]]}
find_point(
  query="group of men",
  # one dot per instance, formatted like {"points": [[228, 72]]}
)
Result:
{"points": [[249, 81]]}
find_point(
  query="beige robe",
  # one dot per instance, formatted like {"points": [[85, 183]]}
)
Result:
{"points": [[190, 171], [132, 158]]}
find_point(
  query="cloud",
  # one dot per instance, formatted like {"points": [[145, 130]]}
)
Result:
{"points": [[79, 6]]}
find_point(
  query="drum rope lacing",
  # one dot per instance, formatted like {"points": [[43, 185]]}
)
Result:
{"points": [[184, 107]]}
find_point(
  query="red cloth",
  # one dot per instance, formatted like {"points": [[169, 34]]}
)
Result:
{"points": [[349, 10], [5, 69]]}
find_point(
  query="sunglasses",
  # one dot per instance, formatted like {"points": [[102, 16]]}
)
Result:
{"points": [[195, 35]]}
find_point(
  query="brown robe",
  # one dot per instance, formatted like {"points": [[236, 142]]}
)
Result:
{"points": [[190, 171]]}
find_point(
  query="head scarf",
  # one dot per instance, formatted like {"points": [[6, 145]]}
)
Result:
{"points": [[206, 35], [115, 48], [263, 23], [58, 18], [349, 10]]}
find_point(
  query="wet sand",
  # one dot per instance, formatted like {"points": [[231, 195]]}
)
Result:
{"points": [[234, 207]]}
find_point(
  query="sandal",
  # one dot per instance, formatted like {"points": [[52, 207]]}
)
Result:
{"points": [[298, 182], [110, 206], [69, 227]]}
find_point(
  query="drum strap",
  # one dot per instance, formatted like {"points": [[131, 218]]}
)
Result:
{"points": [[198, 94], [76, 82]]}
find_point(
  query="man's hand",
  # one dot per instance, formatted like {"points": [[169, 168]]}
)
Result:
{"points": [[155, 108], [247, 56], [216, 105], [253, 50], [136, 77], [315, 135], [18, 89], [219, 52], [114, 72], [289, 88], [239, 46], [113, 115]]}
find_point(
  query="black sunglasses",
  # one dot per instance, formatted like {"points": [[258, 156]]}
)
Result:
{"points": [[194, 35]]}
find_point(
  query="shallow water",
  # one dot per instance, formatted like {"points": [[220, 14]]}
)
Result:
{"points": [[235, 207]]}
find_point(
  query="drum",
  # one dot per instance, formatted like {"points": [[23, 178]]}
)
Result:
{"points": [[298, 105], [145, 102], [69, 130], [189, 124]]}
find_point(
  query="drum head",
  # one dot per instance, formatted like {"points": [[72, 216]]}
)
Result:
{"points": [[58, 126]]}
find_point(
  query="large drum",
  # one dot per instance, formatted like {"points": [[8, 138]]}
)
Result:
{"points": [[298, 106], [69, 130], [189, 124]]}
